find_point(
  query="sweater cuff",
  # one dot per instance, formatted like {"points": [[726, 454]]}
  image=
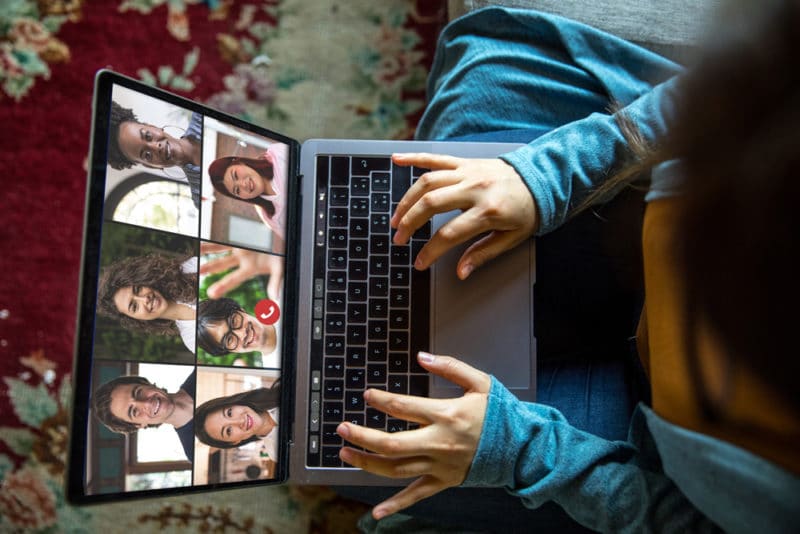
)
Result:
{"points": [[521, 160], [496, 456]]}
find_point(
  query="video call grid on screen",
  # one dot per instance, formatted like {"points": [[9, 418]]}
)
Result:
{"points": [[186, 359]]}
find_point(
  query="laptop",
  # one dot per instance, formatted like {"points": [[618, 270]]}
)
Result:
{"points": [[239, 292]]}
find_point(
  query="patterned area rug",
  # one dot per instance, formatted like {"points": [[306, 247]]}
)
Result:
{"points": [[352, 68]]}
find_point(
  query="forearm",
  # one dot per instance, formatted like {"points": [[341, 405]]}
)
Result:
{"points": [[532, 451], [561, 167]]}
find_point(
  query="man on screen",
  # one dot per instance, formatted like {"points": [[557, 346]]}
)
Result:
{"points": [[129, 403]]}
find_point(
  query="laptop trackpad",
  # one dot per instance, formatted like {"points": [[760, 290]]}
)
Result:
{"points": [[487, 320]]}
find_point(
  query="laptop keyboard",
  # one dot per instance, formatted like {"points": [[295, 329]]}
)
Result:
{"points": [[363, 332]]}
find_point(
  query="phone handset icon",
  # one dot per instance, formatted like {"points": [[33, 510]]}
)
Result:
{"points": [[267, 311]]}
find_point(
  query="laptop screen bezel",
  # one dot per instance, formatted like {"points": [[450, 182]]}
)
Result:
{"points": [[77, 459]]}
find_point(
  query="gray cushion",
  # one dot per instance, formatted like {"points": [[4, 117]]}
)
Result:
{"points": [[670, 27]]}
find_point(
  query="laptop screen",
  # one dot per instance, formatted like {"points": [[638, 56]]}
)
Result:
{"points": [[180, 349]]}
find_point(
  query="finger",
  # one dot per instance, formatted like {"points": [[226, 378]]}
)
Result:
{"points": [[406, 407], [386, 467], [392, 445], [420, 193], [456, 371], [206, 247], [457, 230], [218, 265], [228, 282], [426, 160], [486, 249], [420, 489]]}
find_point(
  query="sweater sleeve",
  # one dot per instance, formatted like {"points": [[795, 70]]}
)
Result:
{"points": [[564, 165], [610, 486]]}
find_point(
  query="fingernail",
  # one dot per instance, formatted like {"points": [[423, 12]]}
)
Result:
{"points": [[466, 270], [346, 455], [418, 262], [378, 513], [425, 357], [343, 431]]}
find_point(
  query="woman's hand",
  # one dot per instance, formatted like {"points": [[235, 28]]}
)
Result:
{"points": [[489, 192], [439, 452], [246, 264]]}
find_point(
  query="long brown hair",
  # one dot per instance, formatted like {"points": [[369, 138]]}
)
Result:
{"points": [[260, 400], [736, 135], [154, 271]]}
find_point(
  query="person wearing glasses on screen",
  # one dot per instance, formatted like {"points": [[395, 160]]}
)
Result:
{"points": [[128, 404], [132, 141], [236, 420], [152, 294], [224, 327]]}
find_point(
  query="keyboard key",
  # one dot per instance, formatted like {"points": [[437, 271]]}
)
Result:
{"points": [[398, 384], [395, 425], [416, 172], [400, 255], [423, 233], [398, 341], [399, 297], [375, 419], [332, 411], [355, 418], [356, 334], [334, 345], [340, 171], [379, 223], [329, 435], [338, 196], [330, 457], [400, 276], [380, 202], [378, 308], [364, 166], [378, 329], [357, 291], [376, 374], [338, 217], [398, 319], [359, 228], [379, 265], [376, 351], [359, 249], [379, 244], [337, 281], [378, 286], [333, 389], [418, 385], [356, 356], [334, 367], [359, 207], [337, 238], [357, 270], [401, 181], [354, 401], [337, 259], [398, 362], [359, 186], [334, 323], [381, 181], [355, 379], [356, 313], [335, 301], [323, 165]]}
